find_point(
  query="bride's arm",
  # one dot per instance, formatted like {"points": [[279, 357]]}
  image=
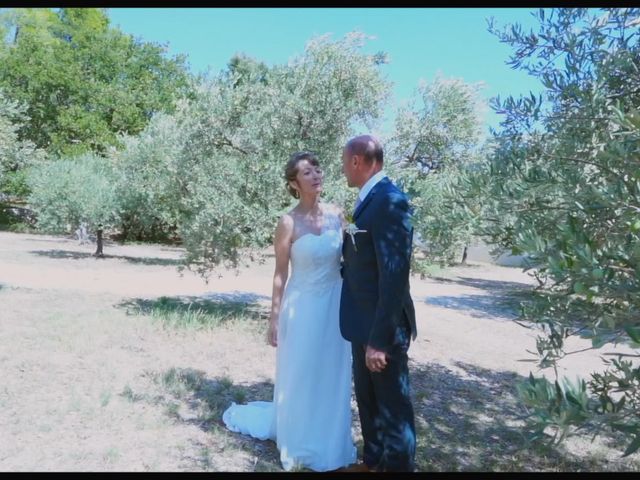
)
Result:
{"points": [[282, 247]]}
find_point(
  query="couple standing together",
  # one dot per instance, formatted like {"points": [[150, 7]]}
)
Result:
{"points": [[334, 318]]}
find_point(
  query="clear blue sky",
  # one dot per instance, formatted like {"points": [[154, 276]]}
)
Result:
{"points": [[419, 41]]}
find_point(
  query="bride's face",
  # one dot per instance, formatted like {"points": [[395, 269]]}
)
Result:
{"points": [[309, 178]]}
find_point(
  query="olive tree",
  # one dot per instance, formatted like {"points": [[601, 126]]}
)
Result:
{"points": [[68, 192], [243, 126], [148, 188], [435, 149], [563, 187]]}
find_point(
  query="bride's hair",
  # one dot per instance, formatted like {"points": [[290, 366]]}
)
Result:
{"points": [[291, 168]]}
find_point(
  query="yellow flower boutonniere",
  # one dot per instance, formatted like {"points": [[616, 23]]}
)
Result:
{"points": [[351, 229]]}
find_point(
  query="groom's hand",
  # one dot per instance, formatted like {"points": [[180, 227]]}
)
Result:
{"points": [[375, 360]]}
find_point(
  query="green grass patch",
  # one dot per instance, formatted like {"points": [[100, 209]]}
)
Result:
{"points": [[208, 398], [197, 313], [424, 268], [129, 394]]}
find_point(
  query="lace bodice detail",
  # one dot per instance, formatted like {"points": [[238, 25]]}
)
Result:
{"points": [[315, 258]]}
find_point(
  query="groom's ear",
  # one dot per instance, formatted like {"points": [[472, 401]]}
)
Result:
{"points": [[357, 161]]}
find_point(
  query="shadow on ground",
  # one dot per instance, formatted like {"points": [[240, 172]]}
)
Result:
{"points": [[188, 396], [501, 300], [477, 306], [51, 240], [492, 286], [466, 420], [73, 255], [471, 420]]}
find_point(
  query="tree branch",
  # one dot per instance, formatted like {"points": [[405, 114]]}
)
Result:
{"points": [[227, 143]]}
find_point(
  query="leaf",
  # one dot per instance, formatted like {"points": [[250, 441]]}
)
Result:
{"points": [[633, 446], [622, 427], [633, 332], [559, 392], [619, 406], [599, 341], [572, 399]]}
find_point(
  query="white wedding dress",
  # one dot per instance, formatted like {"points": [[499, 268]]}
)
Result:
{"points": [[310, 416]]}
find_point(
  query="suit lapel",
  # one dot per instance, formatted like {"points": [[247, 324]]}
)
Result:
{"points": [[369, 196]]}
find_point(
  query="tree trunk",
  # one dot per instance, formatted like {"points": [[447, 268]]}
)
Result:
{"points": [[464, 257], [99, 244]]}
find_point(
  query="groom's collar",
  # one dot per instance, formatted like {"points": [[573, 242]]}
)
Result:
{"points": [[366, 188]]}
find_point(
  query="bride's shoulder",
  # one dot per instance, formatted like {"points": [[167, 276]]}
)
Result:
{"points": [[333, 209], [335, 215], [286, 220]]}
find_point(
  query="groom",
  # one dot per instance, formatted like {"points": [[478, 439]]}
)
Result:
{"points": [[376, 310]]}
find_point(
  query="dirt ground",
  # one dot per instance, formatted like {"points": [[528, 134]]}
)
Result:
{"points": [[76, 366]]}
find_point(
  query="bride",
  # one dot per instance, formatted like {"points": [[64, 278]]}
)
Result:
{"points": [[310, 415]]}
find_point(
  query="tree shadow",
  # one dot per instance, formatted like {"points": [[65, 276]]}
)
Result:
{"points": [[190, 397], [73, 255], [493, 286], [466, 420], [51, 240], [477, 306], [501, 301], [473, 421]]}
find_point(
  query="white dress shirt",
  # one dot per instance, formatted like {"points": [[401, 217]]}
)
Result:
{"points": [[366, 188]]}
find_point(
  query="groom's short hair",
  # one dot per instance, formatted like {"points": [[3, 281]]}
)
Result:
{"points": [[368, 147]]}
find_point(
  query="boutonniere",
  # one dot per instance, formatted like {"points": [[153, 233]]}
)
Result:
{"points": [[351, 229]]}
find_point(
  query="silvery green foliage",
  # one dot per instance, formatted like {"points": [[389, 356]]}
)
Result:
{"points": [[66, 192], [563, 187], [434, 151], [442, 122], [148, 188], [242, 129], [14, 153]]}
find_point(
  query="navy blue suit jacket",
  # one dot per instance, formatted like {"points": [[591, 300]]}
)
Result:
{"points": [[375, 301]]}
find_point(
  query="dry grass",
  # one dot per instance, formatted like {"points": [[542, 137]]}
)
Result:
{"points": [[122, 364]]}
